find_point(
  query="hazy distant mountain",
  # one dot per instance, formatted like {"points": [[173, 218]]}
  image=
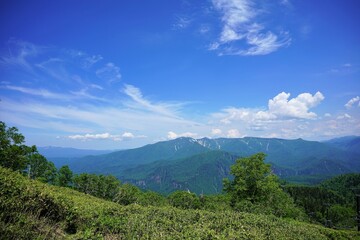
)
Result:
{"points": [[200, 164], [349, 143], [118, 161], [60, 152]]}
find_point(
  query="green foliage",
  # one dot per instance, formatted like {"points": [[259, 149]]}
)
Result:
{"points": [[127, 194], [13, 152], [150, 198], [184, 200], [40, 168], [330, 202], [341, 216], [219, 202], [255, 189], [252, 179], [97, 185], [65, 176], [345, 185], [33, 210]]}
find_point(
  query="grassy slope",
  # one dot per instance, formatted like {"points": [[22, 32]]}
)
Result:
{"points": [[32, 210]]}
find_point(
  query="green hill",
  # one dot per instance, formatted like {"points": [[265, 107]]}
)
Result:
{"points": [[187, 163], [33, 210]]}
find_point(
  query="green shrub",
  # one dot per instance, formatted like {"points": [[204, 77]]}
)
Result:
{"points": [[184, 200]]}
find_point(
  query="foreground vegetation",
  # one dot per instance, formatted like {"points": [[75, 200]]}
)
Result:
{"points": [[38, 201], [30, 209]]}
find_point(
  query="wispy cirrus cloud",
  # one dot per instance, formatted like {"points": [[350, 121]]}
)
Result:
{"points": [[110, 73], [141, 103], [353, 101], [242, 32], [182, 22], [20, 53], [37, 92], [80, 95]]}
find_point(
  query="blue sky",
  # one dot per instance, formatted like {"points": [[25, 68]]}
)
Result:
{"points": [[122, 74]]}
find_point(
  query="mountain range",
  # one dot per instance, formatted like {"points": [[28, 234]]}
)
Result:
{"points": [[199, 165]]}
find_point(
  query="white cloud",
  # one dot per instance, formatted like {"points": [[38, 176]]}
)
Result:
{"points": [[182, 22], [327, 115], [139, 102], [109, 73], [280, 107], [105, 136], [173, 135], [37, 92], [128, 135], [44, 93], [91, 60], [233, 133], [93, 136], [353, 101], [344, 116], [20, 54], [297, 107], [242, 34], [216, 132]]}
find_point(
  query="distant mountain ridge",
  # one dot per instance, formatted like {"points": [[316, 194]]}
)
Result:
{"points": [[200, 164], [348, 143], [61, 152]]}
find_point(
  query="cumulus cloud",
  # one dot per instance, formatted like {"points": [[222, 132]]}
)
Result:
{"points": [[173, 135], [279, 107], [352, 102], [241, 33]]}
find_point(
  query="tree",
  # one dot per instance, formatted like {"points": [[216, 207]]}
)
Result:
{"points": [[64, 176], [13, 152], [40, 168], [253, 180], [254, 188], [108, 186]]}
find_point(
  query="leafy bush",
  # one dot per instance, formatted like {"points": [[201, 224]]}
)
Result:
{"points": [[100, 186], [184, 200], [127, 194]]}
